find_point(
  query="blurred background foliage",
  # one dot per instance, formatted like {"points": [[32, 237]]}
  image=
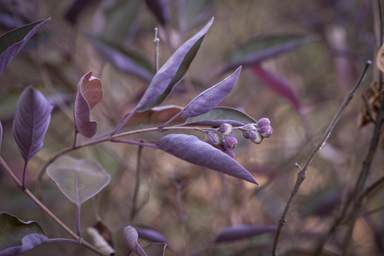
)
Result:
{"points": [[190, 205]]}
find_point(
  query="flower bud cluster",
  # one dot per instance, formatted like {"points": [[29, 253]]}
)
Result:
{"points": [[258, 131], [220, 137]]}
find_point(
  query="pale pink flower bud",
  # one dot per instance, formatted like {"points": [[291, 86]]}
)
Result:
{"points": [[265, 131], [214, 138], [229, 143], [255, 137], [226, 129]]}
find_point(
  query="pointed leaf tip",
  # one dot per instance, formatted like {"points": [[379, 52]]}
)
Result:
{"points": [[130, 239], [89, 93], [31, 122], [190, 149], [172, 72], [210, 98]]}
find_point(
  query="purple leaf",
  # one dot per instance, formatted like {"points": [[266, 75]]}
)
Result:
{"points": [[172, 72], [31, 122], [243, 231], [151, 235], [89, 93], [12, 42], [277, 84], [160, 8], [123, 60], [190, 149], [78, 179], [17, 236], [260, 49], [130, 239], [210, 98], [219, 116], [28, 242]]}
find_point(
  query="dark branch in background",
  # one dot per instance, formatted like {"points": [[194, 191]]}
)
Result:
{"points": [[134, 209], [303, 171]]}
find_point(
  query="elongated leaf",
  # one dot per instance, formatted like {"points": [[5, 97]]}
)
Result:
{"points": [[210, 98], [190, 149], [17, 236], [160, 8], [12, 42], [130, 239], [151, 235], [78, 179], [126, 61], [89, 93], [172, 72], [31, 122], [278, 84], [243, 231], [219, 116], [260, 49]]}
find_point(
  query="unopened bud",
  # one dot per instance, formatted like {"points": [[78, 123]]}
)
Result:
{"points": [[255, 137], [226, 129], [263, 122], [265, 131], [214, 138], [246, 134], [230, 153], [229, 142]]}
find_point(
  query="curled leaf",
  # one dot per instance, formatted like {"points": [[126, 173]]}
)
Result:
{"points": [[380, 58], [100, 242], [12, 42], [190, 149], [277, 84], [89, 93], [31, 122], [243, 231], [219, 116], [130, 239], [17, 236], [160, 8], [78, 179], [172, 72]]}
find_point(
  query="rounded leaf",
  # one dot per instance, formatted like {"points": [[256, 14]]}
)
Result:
{"points": [[130, 239], [78, 179]]}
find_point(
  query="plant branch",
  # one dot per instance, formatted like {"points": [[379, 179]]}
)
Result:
{"points": [[303, 171], [156, 41], [134, 208], [47, 211]]}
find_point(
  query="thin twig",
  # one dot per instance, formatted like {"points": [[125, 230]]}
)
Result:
{"points": [[134, 208], [303, 171], [156, 41], [47, 211]]}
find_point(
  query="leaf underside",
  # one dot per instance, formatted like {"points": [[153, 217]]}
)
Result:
{"points": [[190, 149]]}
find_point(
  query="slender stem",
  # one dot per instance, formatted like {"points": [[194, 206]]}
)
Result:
{"points": [[47, 211], [156, 42], [75, 140], [96, 208], [63, 240], [372, 187], [135, 143], [24, 186], [134, 209], [303, 171], [125, 120]]}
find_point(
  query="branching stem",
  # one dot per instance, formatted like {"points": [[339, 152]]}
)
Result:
{"points": [[303, 171]]}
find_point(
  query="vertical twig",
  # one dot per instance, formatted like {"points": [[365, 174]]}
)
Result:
{"points": [[156, 41], [303, 171], [24, 186], [134, 208]]}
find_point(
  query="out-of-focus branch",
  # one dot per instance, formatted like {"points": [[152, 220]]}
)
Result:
{"points": [[303, 171]]}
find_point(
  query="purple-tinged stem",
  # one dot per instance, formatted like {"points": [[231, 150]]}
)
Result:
{"points": [[24, 186], [63, 240], [135, 143], [123, 122], [77, 206], [75, 140], [170, 120]]}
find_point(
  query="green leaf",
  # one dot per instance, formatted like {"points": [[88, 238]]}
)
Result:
{"points": [[12, 42], [12, 230], [78, 179], [221, 115]]}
